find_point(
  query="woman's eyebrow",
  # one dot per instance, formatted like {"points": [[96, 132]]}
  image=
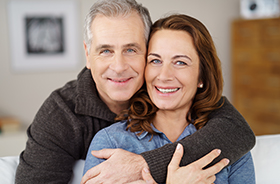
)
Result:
{"points": [[154, 54], [174, 57], [179, 56]]}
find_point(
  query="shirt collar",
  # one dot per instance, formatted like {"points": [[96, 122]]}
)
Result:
{"points": [[189, 130]]}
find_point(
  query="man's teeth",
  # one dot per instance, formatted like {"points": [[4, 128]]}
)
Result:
{"points": [[167, 90], [119, 80]]}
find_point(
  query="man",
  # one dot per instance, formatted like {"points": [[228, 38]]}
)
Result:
{"points": [[116, 35]]}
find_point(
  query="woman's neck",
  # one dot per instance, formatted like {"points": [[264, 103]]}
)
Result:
{"points": [[171, 123]]}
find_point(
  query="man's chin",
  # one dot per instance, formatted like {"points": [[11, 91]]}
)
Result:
{"points": [[121, 97]]}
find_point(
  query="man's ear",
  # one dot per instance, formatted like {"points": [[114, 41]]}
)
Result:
{"points": [[87, 56]]}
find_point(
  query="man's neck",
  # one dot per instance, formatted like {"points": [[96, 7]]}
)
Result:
{"points": [[117, 108]]}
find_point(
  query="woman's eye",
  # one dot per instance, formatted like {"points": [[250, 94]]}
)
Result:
{"points": [[180, 63], [155, 61]]}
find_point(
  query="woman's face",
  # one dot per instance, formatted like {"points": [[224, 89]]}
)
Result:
{"points": [[172, 70]]}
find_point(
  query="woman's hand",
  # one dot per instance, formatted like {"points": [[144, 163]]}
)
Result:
{"points": [[193, 173], [190, 174]]}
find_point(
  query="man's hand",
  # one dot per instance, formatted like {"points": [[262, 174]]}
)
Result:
{"points": [[147, 178], [193, 173], [120, 167]]}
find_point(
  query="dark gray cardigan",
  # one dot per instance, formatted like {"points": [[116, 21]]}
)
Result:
{"points": [[67, 121]]}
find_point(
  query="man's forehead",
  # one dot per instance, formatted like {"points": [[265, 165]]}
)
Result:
{"points": [[129, 23], [118, 32], [120, 16]]}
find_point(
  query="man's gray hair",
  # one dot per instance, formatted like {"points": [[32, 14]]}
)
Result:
{"points": [[114, 8]]}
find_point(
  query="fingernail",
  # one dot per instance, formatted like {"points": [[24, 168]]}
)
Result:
{"points": [[227, 161], [219, 151], [179, 146]]}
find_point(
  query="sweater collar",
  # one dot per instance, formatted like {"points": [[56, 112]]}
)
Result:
{"points": [[87, 99]]}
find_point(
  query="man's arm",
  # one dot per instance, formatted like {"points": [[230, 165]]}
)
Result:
{"points": [[39, 163], [55, 141], [226, 130], [190, 174]]}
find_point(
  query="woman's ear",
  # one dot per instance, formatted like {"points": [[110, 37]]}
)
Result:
{"points": [[200, 85]]}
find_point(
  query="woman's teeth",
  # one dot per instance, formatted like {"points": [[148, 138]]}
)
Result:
{"points": [[167, 90]]}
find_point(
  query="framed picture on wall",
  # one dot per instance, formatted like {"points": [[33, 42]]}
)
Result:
{"points": [[43, 35]]}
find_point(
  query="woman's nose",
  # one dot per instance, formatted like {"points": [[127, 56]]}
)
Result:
{"points": [[166, 73]]}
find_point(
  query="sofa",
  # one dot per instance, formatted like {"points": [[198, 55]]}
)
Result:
{"points": [[266, 156]]}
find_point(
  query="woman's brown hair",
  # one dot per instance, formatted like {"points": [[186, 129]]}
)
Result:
{"points": [[142, 110]]}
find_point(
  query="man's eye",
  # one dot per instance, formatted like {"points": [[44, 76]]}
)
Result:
{"points": [[130, 50], [105, 51]]}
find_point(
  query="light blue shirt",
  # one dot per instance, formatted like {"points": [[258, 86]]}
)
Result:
{"points": [[116, 136]]}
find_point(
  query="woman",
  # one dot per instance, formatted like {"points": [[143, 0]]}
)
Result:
{"points": [[184, 84]]}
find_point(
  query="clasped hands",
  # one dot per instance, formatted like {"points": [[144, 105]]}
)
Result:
{"points": [[125, 167]]}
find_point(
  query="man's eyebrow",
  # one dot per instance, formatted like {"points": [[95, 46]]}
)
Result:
{"points": [[132, 45], [103, 46]]}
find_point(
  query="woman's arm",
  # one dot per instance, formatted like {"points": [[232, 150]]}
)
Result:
{"points": [[226, 130], [242, 171], [99, 142], [122, 166]]}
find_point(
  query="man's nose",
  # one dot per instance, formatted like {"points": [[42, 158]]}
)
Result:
{"points": [[118, 63]]}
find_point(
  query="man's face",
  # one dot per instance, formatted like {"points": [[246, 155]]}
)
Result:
{"points": [[117, 57]]}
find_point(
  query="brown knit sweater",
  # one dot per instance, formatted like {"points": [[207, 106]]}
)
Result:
{"points": [[69, 118]]}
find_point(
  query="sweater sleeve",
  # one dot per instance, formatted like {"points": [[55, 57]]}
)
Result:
{"points": [[226, 130], [55, 141]]}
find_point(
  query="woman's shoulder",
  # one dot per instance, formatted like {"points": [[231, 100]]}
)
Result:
{"points": [[117, 127], [115, 131], [110, 135]]}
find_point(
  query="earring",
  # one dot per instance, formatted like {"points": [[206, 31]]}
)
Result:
{"points": [[201, 85]]}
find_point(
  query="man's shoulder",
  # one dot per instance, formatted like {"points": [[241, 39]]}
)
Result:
{"points": [[72, 90], [67, 91], [61, 102]]}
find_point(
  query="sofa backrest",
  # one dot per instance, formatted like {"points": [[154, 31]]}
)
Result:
{"points": [[266, 156]]}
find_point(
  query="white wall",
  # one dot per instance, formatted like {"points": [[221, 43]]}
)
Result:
{"points": [[22, 94]]}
